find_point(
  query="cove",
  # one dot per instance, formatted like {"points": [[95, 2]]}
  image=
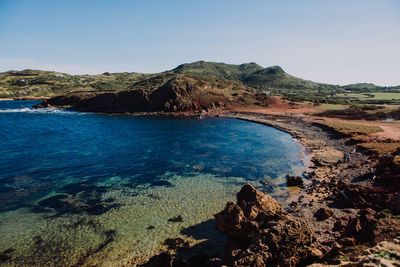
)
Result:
{"points": [[82, 188]]}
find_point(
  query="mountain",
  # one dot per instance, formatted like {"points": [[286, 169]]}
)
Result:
{"points": [[272, 80], [276, 81], [48, 83], [276, 78], [250, 74], [219, 70]]}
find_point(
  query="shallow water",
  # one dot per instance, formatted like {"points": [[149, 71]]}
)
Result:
{"points": [[79, 188]]}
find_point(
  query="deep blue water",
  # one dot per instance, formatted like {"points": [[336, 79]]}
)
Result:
{"points": [[97, 174], [44, 151]]}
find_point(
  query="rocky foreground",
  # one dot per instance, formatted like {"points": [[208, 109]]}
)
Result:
{"points": [[265, 234], [346, 211], [262, 233]]}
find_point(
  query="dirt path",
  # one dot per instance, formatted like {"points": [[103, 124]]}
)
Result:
{"points": [[390, 130]]}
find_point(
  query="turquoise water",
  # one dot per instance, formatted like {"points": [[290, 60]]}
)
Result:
{"points": [[84, 189]]}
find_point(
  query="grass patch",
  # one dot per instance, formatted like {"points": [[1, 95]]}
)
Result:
{"points": [[351, 129], [352, 95], [389, 215], [388, 255], [385, 96], [333, 106], [359, 138], [380, 148]]}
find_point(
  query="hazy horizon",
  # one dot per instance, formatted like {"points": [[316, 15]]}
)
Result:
{"points": [[340, 42]]}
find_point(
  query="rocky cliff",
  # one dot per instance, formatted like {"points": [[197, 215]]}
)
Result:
{"points": [[168, 93]]}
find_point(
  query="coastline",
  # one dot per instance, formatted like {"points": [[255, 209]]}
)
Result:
{"points": [[24, 98], [328, 179]]}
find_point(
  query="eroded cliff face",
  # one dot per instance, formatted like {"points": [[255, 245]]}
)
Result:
{"points": [[178, 93]]}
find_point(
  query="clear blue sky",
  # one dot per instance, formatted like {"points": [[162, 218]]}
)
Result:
{"points": [[337, 41]]}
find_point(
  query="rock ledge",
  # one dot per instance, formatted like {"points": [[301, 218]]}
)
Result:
{"points": [[263, 233]]}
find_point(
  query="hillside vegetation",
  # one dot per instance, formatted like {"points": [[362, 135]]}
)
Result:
{"points": [[277, 81], [219, 70], [49, 83], [271, 81]]}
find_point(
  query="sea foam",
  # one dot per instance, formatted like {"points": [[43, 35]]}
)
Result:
{"points": [[41, 110]]}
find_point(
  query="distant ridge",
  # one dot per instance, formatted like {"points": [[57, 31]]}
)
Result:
{"points": [[272, 80]]}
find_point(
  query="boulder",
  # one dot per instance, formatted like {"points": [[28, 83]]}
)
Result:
{"points": [[360, 197], [326, 157], [364, 227], [253, 202], [323, 214], [294, 181], [270, 236], [173, 243]]}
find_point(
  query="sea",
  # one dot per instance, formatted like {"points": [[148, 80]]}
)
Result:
{"points": [[98, 189]]}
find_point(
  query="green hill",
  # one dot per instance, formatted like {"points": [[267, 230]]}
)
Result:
{"points": [[370, 87], [50, 83], [276, 81], [275, 78], [219, 70], [272, 80]]}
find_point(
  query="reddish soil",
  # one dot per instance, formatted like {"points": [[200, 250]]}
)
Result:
{"points": [[390, 130]]}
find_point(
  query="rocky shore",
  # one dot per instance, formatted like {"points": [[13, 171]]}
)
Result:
{"points": [[347, 202], [344, 208]]}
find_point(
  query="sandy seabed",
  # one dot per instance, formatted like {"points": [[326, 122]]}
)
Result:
{"points": [[121, 235]]}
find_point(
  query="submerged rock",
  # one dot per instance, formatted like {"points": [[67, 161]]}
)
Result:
{"points": [[161, 183], [173, 243], [268, 236], [176, 219], [5, 255]]}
